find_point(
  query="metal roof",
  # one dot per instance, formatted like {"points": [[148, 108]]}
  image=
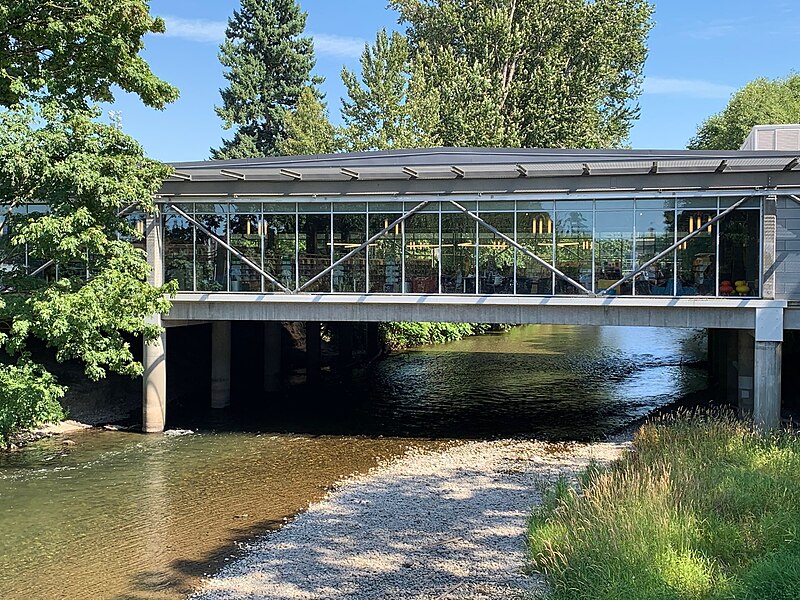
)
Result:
{"points": [[481, 163]]}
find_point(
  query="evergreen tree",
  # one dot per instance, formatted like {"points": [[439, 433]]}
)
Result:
{"points": [[268, 64], [308, 129]]}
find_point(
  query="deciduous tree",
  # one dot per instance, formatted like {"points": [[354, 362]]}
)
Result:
{"points": [[268, 64], [760, 102], [308, 129], [65, 180], [547, 73]]}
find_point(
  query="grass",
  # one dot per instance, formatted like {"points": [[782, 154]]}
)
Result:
{"points": [[702, 507]]}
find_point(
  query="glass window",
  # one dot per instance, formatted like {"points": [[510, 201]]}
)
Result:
{"points": [[739, 252], [696, 258], [385, 255], [534, 233], [574, 248], [458, 253], [245, 238], [211, 266], [655, 232], [422, 253], [279, 250], [349, 232], [179, 251], [314, 250], [496, 255]]}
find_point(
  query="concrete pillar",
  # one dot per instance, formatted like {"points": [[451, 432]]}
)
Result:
{"points": [[731, 349], [373, 340], [767, 393], [154, 389], [154, 356], [220, 364], [745, 364], [344, 343], [313, 351], [272, 356], [768, 355]]}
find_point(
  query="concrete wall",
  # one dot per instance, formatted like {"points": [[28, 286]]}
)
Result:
{"points": [[787, 270]]}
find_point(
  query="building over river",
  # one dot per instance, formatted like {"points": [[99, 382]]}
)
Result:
{"points": [[597, 237]]}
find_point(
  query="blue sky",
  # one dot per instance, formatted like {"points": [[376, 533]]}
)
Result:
{"points": [[701, 51]]}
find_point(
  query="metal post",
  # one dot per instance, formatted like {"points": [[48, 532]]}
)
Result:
{"points": [[769, 247], [220, 364]]}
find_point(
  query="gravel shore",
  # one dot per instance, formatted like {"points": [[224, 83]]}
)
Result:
{"points": [[433, 525]]}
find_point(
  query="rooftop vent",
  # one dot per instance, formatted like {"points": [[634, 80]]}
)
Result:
{"points": [[773, 137]]}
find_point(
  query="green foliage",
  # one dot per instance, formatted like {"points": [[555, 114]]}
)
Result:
{"points": [[528, 73], [28, 395], [397, 336], [385, 110], [268, 64], [74, 50], [308, 130], [703, 507], [760, 102], [81, 173]]}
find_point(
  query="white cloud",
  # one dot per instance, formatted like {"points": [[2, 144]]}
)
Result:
{"points": [[692, 88], [337, 45], [719, 28], [195, 30], [213, 32]]}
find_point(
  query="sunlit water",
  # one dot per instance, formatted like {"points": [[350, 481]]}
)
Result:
{"points": [[127, 516]]}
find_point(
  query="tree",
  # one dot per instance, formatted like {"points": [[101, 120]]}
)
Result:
{"points": [[74, 50], [308, 129], [760, 102], [385, 109], [65, 180], [268, 65], [546, 73]]}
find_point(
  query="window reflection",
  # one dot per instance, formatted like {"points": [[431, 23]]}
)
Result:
{"points": [[441, 250]]}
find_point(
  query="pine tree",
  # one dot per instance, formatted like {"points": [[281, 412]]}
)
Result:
{"points": [[268, 64]]}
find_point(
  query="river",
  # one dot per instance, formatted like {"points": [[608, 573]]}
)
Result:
{"points": [[125, 516]]}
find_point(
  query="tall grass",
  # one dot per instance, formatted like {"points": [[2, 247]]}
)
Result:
{"points": [[702, 507]]}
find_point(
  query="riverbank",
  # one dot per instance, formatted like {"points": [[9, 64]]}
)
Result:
{"points": [[704, 506], [443, 524]]}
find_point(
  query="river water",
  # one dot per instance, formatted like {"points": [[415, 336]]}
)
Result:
{"points": [[125, 516]]}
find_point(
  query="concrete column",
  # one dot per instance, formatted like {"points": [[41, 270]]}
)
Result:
{"points": [[344, 343], [272, 356], [313, 351], [731, 350], [154, 356], [220, 364], [154, 389], [745, 364], [768, 355]]}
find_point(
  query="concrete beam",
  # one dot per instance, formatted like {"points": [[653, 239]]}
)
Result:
{"points": [[717, 313]]}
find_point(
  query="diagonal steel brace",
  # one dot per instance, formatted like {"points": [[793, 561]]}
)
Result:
{"points": [[227, 246], [521, 248]]}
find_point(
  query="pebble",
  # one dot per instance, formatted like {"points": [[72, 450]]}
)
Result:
{"points": [[447, 524]]}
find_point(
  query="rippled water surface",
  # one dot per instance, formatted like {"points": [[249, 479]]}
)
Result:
{"points": [[127, 516]]}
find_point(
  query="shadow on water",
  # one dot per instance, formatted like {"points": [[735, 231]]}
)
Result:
{"points": [[126, 516]]}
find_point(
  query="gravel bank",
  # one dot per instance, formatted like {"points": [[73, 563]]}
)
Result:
{"points": [[440, 525]]}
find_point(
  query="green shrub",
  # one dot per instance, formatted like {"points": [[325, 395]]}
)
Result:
{"points": [[401, 335], [702, 507], [28, 397]]}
